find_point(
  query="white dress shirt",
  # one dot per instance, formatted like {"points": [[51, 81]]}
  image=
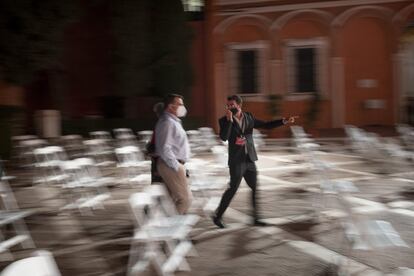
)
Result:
{"points": [[171, 142]]}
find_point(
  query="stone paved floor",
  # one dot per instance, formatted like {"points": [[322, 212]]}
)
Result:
{"points": [[306, 236]]}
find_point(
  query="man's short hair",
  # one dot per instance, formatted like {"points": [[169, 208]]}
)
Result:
{"points": [[169, 99], [158, 108], [235, 98]]}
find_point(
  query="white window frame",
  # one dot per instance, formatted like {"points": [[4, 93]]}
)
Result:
{"points": [[262, 50], [321, 46]]}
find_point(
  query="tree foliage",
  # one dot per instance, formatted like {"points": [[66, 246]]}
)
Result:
{"points": [[31, 33], [152, 42]]}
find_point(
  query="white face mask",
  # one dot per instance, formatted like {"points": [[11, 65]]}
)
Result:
{"points": [[181, 111]]}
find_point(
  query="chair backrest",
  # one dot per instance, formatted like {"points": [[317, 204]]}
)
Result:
{"points": [[41, 265], [122, 131], [105, 135], [258, 139], [123, 140], [72, 138], [406, 133], [8, 201], [129, 154], [49, 154], [33, 144], [298, 132], [194, 136], [88, 169], [19, 138], [163, 204], [141, 205], [144, 136], [96, 146]]}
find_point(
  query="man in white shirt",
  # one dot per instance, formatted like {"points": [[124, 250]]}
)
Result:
{"points": [[173, 150]]}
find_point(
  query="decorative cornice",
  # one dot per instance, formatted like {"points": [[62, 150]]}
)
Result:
{"points": [[383, 12], [261, 20], [288, 7], [281, 21]]}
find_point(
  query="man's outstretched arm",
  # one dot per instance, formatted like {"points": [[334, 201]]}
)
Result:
{"points": [[273, 124]]}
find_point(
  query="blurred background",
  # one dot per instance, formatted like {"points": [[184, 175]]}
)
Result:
{"points": [[103, 64]]}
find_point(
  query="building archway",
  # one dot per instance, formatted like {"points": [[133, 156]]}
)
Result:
{"points": [[365, 65]]}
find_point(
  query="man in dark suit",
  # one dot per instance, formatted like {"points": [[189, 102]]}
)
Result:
{"points": [[237, 128]]}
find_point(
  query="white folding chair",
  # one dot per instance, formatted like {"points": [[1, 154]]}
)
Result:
{"points": [[26, 148], [10, 214], [73, 145], [122, 131], [395, 151], [258, 138], [220, 156], [48, 160], [144, 136], [100, 134], [195, 140], [124, 140], [87, 188], [365, 144], [18, 138], [210, 137], [406, 134], [100, 151], [131, 161], [154, 234], [207, 183], [363, 233], [165, 208], [42, 264]]}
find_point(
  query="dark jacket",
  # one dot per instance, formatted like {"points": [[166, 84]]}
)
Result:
{"points": [[229, 131]]}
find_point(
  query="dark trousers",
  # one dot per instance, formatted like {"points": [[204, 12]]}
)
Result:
{"points": [[155, 176], [244, 169]]}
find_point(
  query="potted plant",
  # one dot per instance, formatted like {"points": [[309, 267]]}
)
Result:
{"points": [[274, 107], [312, 113]]}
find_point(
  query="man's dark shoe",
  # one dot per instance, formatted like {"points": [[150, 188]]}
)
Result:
{"points": [[258, 222], [218, 222]]}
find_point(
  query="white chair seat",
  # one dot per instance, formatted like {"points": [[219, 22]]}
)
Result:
{"points": [[41, 265], [373, 234], [175, 220], [161, 233], [145, 177], [5, 245]]}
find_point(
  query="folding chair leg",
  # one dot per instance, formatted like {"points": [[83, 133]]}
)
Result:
{"points": [[21, 229], [184, 266], [5, 255], [157, 262], [133, 258], [193, 252]]}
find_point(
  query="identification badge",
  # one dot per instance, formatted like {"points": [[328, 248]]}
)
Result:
{"points": [[240, 141]]}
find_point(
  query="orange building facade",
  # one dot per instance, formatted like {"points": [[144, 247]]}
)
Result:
{"points": [[354, 55]]}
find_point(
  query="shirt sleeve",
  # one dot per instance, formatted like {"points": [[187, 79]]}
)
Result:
{"points": [[164, 139], [267, 124], [225, 128]]}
